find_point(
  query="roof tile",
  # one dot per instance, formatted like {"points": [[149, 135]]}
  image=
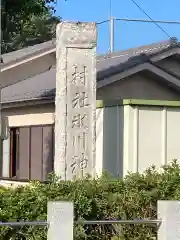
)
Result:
{"points": [[44, 84]]}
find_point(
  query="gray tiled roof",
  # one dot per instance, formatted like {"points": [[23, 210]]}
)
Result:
{"points": [[125, 59], [43, 85], [24, 52], [32, 88]]}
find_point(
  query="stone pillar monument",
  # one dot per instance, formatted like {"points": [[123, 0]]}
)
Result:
{"points": [[75, 121]]}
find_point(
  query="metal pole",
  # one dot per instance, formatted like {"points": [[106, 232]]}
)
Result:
{"points": [[107, 222], [19, 224], [112, 34], [111, 27]]}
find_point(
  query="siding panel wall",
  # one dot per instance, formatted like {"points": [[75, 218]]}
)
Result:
{"points": [[109, 140], [173, 134], [36, 153], [99, 140], [24, 152], [152, 138]]}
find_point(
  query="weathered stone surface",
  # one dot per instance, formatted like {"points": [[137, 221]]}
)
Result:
{"points": [[169, 212], [75, 100], [60, 217]]}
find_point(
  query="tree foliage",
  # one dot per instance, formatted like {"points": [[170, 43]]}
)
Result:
{"points": [[135, 197], [26, 22]]}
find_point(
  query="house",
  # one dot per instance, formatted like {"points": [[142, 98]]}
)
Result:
{"points": [[138, 109]]}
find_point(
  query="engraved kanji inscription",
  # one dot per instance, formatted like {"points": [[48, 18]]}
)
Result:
{"points": [[80, 142], [75, 102], [83, 161], [79, 75], [80, 121], [80, 100], [74, 164], [79, 162]]}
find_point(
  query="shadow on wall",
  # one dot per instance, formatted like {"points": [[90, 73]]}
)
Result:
{"points": [[113, 142]]}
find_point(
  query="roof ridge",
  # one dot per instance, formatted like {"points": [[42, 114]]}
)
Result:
{"points": [[133, 51], [52, 41], [37, 48]]}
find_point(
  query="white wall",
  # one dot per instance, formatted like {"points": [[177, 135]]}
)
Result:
{"points": [[99, 140], [150, 136], [109, 140], [29, 115]]}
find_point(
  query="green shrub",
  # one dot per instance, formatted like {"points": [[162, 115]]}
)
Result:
{"points": [[135, 197]]}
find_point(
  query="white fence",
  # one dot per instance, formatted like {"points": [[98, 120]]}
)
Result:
{"points": [[60, 221]]}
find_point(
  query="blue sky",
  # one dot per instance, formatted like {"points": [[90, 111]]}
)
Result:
{"points": [[127, 34]]}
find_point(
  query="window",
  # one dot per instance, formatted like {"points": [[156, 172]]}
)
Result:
{"points": [[31, 152]]}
